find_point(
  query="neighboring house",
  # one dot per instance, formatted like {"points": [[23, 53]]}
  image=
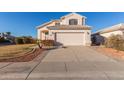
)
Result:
{"points": [[113, 30], [68, 30], [99, 36]]}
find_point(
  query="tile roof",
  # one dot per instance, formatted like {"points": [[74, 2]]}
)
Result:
{"points": [[45, 24], [69, 27]]}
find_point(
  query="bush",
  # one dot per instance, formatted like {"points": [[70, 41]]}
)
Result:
{"points": [[115, 41], [27, 40], [48, 42], [19, 40], [34, 41], [38, 42], [2, 40], [24, 40]]}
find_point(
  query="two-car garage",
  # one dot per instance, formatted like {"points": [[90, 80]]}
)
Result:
{"points": [[70, 38]]}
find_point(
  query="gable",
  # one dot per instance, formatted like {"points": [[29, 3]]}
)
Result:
{"points": [[65, 20], [72, 15]]}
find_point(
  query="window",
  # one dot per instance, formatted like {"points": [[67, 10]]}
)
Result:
{"points": [[57, 24], [46, 33], [73, 22]]}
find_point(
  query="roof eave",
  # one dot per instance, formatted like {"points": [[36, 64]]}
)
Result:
{"points": [[69, 28], [40, 26]]}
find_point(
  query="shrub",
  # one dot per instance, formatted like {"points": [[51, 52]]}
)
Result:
{"points": [[25, 40], [38, 42], [29, 40], [2, 40], [19, 40], [48, 42], [115, 41]]}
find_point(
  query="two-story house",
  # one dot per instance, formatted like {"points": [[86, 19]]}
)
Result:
{"points": [[68, 30]]}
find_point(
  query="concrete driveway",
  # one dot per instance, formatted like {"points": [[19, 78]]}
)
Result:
{"points": [[65, 63]]}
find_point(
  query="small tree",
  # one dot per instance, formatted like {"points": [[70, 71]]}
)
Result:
{"points": [[2, 39], [39, 44]]}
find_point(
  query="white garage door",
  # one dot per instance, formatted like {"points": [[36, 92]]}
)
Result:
{"points": [[70, 38]]}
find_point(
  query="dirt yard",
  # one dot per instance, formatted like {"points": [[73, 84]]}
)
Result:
{"points": [[11, 51], [111, 52]]}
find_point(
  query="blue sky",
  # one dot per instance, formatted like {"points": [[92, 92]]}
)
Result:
{"points": [[24, 23]]}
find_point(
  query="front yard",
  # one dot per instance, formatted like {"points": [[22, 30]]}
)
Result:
{"points": [[14, 50], [111, 52], [18, 53]]}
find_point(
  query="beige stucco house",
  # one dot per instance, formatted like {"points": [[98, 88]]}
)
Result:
{"points": [[68, 30], [113, 30], [99, 36]]}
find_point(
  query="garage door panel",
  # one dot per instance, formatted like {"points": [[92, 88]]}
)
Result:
{"points": [[70, 38]]}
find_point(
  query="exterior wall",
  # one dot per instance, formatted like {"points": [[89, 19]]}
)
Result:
{"points": [[66, 20], [87, 37], [83, 19], [38, 34], [42, 35], [106, 35]]}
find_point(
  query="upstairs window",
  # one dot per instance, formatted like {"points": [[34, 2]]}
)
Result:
{"points": [[73, 22], [57, 24]]}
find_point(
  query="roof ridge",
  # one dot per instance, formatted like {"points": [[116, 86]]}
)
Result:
{"points": [[72, 13]]}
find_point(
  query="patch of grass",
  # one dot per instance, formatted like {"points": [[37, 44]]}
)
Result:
{"points": [[14, 50]]}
